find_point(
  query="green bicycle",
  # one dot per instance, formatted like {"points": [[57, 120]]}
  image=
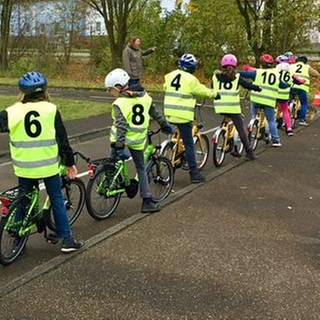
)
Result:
{"points": [[110, 179], [22, 216]]}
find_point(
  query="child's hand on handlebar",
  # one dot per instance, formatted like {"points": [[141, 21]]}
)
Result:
{"points": [[72, 172]]}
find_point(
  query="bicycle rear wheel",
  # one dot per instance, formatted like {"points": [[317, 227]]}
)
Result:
{"points": [[218, 152], [74, 194], [254, 135], [100, 206], [238, 145], [202, 148], [160, 177], [11, 244]]}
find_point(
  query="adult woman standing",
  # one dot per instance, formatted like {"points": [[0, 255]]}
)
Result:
{"points": [[132, 59]]}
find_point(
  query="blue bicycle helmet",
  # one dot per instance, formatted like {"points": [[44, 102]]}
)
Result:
{"points": [[188, 62], [32, 82]]}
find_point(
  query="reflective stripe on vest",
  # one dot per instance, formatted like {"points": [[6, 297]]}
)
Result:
{"points": [[136, 112], [268, 80], [35, 164], [229, 93], [178, 101], [33, 146], [302, 70]]}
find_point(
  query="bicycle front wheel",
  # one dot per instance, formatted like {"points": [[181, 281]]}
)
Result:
{"points": [[168, 152], [219, 151], [160, 177], [202, 147], [99, 205], [254, 135], [74, 195], [11, 244]]}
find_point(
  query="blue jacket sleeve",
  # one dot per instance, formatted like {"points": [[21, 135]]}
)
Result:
{"points": [[284, 85], [248, 74], [248, 85]]}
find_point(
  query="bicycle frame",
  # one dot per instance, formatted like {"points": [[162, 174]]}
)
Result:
{"points": [[33, 213], [262, 123], [176, 138], [230, 133], [123, 170]]}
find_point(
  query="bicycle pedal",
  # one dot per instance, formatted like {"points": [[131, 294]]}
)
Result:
{"points": [[52, 239]]}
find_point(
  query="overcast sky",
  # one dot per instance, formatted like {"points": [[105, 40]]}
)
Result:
{"points": [[168, 4]]}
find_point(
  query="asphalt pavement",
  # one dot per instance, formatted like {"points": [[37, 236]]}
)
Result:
{"points": [[245, 245]]}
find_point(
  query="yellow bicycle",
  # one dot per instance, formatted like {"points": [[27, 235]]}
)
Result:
{"points": [[173, 148], [225, 139], [258, 129]]}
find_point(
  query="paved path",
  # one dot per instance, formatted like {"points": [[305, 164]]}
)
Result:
{"points": [[243, 246]]}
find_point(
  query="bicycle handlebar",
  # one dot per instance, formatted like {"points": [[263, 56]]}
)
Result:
{"points": [[152, 133], [83, 157]]}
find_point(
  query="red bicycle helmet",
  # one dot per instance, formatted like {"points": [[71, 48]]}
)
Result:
{"points": [[267, 59]]}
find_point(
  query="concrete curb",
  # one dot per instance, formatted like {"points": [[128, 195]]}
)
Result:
{"points": [[59, 260]]}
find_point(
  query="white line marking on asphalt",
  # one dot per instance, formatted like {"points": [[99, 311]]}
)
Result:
{"points": [[210, 130], [5, 164]]}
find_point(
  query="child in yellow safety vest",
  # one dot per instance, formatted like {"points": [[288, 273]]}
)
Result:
{"points": [[131, 113], [38, 139], [227, 83], [181, 89]]}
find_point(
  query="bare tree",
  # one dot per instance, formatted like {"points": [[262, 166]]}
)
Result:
{"points": [[258, 15], [118, 17], [6, 11]]}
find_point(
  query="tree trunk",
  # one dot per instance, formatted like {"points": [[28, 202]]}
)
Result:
{"points": [[4, 32]]}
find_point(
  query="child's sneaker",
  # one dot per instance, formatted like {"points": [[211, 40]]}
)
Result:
{"points": [[276, 143], [70, 245], [289, 132], [303, 123]]}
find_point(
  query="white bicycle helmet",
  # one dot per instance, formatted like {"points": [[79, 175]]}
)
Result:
{"points": [[116, 77]]}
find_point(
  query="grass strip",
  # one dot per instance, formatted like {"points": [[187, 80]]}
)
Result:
{"points": [[70, 109]]}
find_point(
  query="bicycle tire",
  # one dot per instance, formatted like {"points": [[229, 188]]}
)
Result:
{"points": [[18, 243], [218, 153], [155, 173], [238, 145], [168, 152], [97, 203], [74, 205], [202, 149], [254, 135]]}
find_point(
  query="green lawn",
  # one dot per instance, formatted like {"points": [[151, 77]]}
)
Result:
{"points": [[70, 109]]}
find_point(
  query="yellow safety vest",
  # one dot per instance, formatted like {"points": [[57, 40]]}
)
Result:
{"points": [[33, 145], [268, 80], [230, 98], [136, 112], [302, 70], [178, 100], [285, 76]]}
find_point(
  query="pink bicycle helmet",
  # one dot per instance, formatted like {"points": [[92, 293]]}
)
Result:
{"points": [[229, 60]]}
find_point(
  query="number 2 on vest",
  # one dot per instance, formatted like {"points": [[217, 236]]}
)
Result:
{"points": [[30, 124], [176, 82], [137, 116]]}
